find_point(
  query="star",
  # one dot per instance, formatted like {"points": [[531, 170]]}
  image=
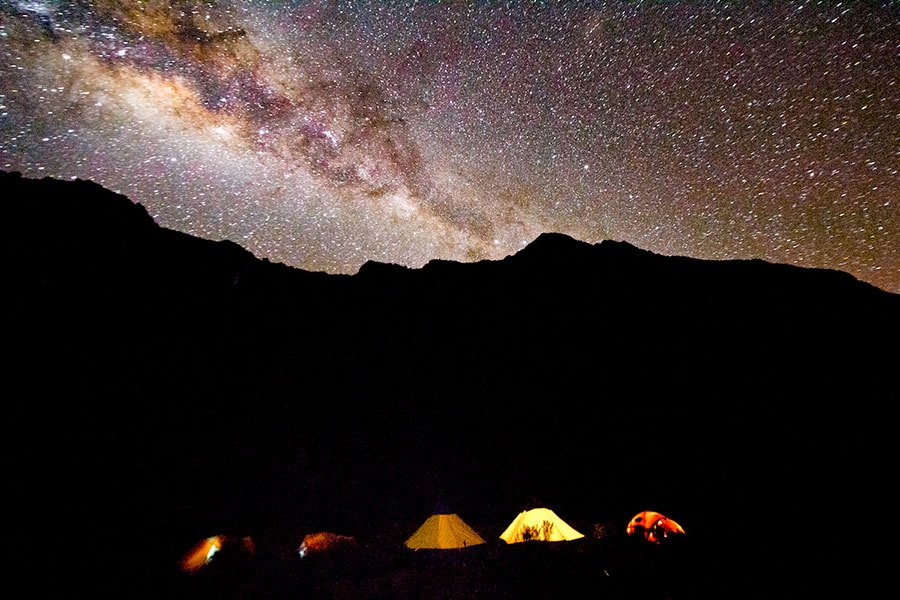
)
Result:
{"points": [[327, 134]]}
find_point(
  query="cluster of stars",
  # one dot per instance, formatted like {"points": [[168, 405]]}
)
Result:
{"points": [[325, 134]]}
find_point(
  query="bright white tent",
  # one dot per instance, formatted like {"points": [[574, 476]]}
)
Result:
{"points": [[539, 524]]}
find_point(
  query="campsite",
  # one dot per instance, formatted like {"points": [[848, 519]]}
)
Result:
{"points": [[451, 564]]}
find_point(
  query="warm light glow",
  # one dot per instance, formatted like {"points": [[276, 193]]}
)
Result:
{"points": [[324, 540], [653, 526], [443, 532], [201, 554], [539, 524]]}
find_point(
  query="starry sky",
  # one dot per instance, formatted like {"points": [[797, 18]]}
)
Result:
{"points": [[326, 134]]}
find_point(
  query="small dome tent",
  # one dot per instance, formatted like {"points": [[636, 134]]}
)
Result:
{"points": [[325, 541], [443, 532], [653, 526], [539, 524], [202, 554]]}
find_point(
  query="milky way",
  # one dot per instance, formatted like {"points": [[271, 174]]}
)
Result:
{"points": [[326, 134]]}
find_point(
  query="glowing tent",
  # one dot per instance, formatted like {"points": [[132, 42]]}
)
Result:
{"points": [[324, 541], [653, 526], [443, 532], [202, 554], [539, 524]]}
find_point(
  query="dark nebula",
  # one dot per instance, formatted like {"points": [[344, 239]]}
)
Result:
{"points": [[326, 134]]}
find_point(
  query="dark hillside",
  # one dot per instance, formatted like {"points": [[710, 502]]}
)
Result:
{"points": [[164, 387]]}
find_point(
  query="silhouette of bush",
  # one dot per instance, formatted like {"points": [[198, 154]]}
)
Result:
{"points": [[537, 533], [603, 530]]}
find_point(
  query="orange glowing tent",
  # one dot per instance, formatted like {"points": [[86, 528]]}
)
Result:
{"points": [[325, 541], [202, 554], [653, 526]]}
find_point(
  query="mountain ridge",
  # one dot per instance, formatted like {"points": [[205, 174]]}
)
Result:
{"points": [[119, 211]]}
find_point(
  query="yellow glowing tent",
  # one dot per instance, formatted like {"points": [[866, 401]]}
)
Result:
{"points": [[539, 524], [443, 532]]}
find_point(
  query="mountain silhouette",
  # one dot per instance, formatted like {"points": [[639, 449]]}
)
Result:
{"points": [[170, 387]]}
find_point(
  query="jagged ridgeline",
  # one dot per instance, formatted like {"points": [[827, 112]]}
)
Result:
{"points": [[559, 317]]}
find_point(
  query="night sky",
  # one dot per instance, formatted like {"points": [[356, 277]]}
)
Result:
{"points": [[326, 134]]}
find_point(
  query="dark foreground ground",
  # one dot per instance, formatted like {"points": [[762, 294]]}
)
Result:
{"points": [[586, 568], [620, 567]]}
